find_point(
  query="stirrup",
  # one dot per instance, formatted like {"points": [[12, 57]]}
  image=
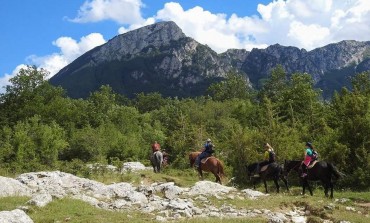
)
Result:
{"points": [[304, 175]]}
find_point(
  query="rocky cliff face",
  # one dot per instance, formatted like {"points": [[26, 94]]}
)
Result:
{"points": [[161, 58]]}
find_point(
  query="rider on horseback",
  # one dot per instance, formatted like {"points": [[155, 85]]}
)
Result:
{"points": [[207, 151], [269, 157], [309, 155]]}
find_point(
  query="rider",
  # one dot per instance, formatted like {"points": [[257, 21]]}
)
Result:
{"points": [[207, 151], [269, 157], [155, 147], [309, 155]]}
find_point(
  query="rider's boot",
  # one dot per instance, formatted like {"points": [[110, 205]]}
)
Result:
{"points": [[304, 171]]}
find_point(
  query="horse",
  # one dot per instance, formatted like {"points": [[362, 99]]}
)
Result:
{"points": [[321, 171], [212, 164], [156, 159], [274, 172]]}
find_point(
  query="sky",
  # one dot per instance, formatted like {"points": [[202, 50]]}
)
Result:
{"points": [[50, 34]]}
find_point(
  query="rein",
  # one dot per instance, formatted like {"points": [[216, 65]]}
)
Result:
{"points": [[294, 167]]}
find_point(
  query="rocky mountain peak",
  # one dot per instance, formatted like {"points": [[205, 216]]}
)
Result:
{"points": [[133, 42]]}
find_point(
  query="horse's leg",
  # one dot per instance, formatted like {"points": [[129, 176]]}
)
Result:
{"points": [[200, 173], [277, 184], [331, 186], [331, 189], [303, 186], [285, 182], [326, 187], [309, 187], [218, 178], [264, 182]]}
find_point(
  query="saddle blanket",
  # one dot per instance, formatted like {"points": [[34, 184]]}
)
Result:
{"points": [[204, 160]]}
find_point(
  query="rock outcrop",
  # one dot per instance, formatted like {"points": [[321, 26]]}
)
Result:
{"points": [[165, 200]]}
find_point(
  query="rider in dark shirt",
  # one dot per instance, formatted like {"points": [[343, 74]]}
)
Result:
{"points": [[207, 151]]}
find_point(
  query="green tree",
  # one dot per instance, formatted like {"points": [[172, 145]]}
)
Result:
{"points": [[274, 87], [26, 81], [29, 94], [351, 118], [36, 144], [100, 102], [149, 102], [235, 85]]}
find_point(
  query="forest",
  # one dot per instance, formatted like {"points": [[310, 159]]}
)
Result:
{"points": [[43, 129]]}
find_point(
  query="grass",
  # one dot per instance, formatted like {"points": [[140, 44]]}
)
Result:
{"points": [[11, 203], [69, 210], [216, 220], [76, 211]]}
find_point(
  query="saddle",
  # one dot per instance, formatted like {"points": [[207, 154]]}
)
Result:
{"points": [[204, 160], [264, 168], [312, 164]]}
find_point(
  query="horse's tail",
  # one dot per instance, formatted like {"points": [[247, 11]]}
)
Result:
{"points": [[220, 169], [158, 157], [335, 171]]}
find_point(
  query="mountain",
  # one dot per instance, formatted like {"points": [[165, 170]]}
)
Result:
{"points": [[158, 58], [161, 58]]}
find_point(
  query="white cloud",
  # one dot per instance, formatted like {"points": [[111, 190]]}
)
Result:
{"points": [[120, 11], [307, 35], [70, 49], [214, 30], [148, 21], [302, 23]]}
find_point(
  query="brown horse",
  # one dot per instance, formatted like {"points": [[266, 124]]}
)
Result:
{"points": [[212, 165]]}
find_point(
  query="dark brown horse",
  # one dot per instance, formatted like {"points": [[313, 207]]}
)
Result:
{"points": [[212, 165]]}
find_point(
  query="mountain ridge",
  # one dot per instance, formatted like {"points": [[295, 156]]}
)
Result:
{"points": [[161, 58]]}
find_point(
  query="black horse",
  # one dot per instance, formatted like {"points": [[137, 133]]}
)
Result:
{"points": [[321, 171], [273, 172]]}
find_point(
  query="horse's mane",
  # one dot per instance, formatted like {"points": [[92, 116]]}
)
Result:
{"points": [[292, 164], [252, 166]]}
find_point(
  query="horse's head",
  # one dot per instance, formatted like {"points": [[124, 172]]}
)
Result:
{"points": [[250, 169], [192, 157]]}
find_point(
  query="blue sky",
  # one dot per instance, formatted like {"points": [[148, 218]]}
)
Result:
{"points": [[52, 33]]}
